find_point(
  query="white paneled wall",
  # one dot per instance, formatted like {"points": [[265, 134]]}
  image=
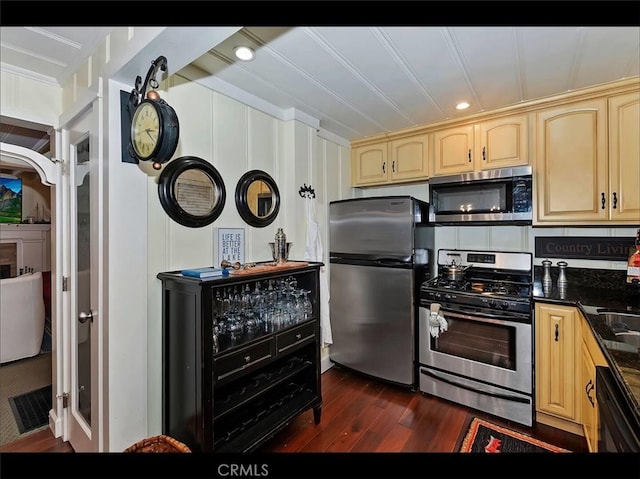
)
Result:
{"points": [[234, 138]]}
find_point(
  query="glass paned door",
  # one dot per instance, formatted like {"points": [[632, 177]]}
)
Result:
{"points": [[82, 383]]}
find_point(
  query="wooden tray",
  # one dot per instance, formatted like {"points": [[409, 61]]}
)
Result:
{"points": [[267, 267]]}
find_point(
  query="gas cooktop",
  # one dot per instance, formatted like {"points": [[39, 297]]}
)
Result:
{"points": [[487, 287], [489, 280]]}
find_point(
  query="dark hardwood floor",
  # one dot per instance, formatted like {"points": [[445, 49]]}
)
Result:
{"points": [[360, 414]]}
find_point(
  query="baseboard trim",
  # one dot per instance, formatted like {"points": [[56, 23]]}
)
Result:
{"points": [[325, 365], [55, 424]]}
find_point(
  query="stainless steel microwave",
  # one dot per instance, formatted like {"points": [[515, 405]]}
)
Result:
{"points": [[502, 195]]}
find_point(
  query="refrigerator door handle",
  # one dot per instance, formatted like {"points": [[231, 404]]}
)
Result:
{"points": [[393, 261]]}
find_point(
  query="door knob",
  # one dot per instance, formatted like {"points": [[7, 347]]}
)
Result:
{"points": [[83, 317]]}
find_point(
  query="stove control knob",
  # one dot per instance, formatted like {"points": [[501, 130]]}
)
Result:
{"points": [[492, 303], [505, 305]]}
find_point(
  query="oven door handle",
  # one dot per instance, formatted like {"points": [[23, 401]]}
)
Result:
{"points": [[490, 317], [509, 397]]}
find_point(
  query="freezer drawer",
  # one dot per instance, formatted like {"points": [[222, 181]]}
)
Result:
{"points": [[373, 321], [382, 226]]}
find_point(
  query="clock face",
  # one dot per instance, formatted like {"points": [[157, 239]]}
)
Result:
{"points": [[145, 130]]}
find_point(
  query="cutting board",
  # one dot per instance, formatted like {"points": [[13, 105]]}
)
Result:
{"points": [[269, 267]]}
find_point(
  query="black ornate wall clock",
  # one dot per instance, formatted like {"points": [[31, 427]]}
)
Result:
{"points": [[155, 129]]}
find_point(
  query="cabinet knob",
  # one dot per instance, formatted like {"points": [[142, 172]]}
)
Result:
{"points": [[247, 358], [298, 336]]}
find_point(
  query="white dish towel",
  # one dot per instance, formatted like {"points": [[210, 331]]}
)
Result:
{"points": [[313, 252], [437, 323]]}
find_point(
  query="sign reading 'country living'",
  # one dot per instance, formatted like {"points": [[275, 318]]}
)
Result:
{"points": [[600, 248]]}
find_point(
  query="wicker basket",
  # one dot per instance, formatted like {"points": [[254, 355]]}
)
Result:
{"points": [[159, 443]]}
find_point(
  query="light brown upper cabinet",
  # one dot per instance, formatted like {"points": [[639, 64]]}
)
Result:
{"points": [[624, 158], [576, 181], [498, 143], [395, 161]]}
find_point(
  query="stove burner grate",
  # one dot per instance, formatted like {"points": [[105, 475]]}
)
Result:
{"points": [[480, 287]]}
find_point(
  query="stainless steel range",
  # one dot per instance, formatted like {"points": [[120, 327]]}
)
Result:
{"points": [[476, 333]]}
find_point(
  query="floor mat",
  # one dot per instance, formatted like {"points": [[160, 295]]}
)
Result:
{"points": [[31, 410], [486, 437]]}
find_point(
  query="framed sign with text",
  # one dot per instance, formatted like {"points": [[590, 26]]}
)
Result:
{"points": [[230, 245], [580, 247]]}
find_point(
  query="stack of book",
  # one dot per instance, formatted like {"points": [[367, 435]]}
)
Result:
{"points": [[206, 272]]}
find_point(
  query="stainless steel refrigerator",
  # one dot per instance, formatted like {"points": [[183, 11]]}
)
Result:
{"points": [[380, 252]]}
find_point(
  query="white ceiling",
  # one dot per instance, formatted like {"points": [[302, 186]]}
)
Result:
{"points": [[354, 82]]}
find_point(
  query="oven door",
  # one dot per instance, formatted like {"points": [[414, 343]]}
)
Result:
{"points": [[485, 349]]}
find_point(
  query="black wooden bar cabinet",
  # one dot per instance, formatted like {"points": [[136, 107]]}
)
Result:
{"points": [[224, 393]]}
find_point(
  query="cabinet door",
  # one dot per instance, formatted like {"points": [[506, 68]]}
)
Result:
{"points": [[453, 151], [409, 158], [588, 393], [592, 356], [571, 164], [557, 332], [624, 158], [369, 164], [502, 143]]}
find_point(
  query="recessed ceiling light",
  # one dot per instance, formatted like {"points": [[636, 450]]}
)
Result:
{"points": [[245, 54], [462, 106]]}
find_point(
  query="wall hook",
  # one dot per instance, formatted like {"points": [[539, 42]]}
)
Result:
{"points": [[306, 191]]}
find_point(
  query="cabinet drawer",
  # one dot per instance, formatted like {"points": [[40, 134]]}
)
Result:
{"points": [[290, 339], [245, 360]]}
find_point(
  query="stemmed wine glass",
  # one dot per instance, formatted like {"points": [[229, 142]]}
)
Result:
{"points": [[307, 304]]}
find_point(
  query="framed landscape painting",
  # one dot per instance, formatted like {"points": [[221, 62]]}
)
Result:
{"points": [[10, 200]]}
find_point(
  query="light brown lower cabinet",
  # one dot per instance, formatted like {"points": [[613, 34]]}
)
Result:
{"points": [[557, 364], [591, 357], [565, 363]]}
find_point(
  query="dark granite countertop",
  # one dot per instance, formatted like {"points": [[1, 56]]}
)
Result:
{"points": [[593, 291]]}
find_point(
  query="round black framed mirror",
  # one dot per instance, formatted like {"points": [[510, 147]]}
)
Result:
{"points": [[257, 198], [191, 191]]}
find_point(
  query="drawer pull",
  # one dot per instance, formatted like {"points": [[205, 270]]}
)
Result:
{"points": [[244, 366], [299, 339]]}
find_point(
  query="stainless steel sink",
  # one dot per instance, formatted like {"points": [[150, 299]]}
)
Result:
{"points": [[621, 322], [626, 326]]}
